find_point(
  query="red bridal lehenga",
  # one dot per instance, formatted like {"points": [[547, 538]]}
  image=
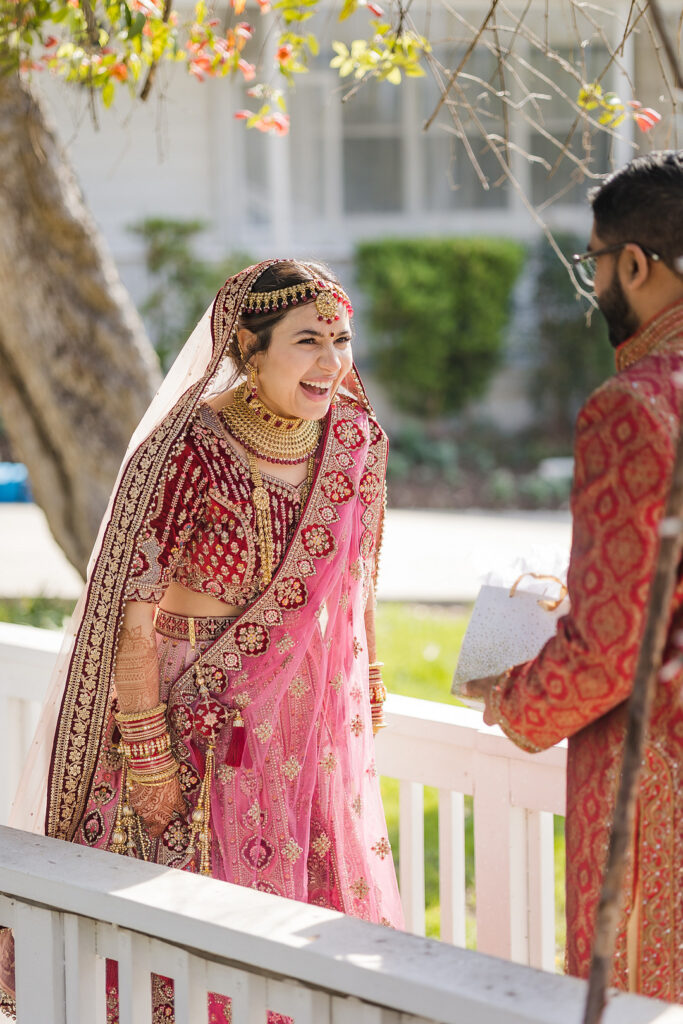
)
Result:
{"points": [[269, 713]]}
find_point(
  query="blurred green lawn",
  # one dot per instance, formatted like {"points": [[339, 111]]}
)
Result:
{"points": [[419, 646]]}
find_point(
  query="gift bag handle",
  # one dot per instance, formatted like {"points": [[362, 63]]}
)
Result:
{"points": [[548, 604]]}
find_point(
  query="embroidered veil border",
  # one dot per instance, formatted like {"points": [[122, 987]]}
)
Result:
{"points": [[79, 693]]}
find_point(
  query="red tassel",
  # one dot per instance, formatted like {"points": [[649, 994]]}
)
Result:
{"points": [[235, 750]]}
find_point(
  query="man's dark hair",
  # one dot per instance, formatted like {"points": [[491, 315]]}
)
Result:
{"points": [[643, 202]]}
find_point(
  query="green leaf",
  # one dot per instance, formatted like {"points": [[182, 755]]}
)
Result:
{"points": [[137, 25], [313, 44], [108, 93], [348, 7]]}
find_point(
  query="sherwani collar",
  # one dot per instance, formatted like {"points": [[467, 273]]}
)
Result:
{"points": [[653, 334]]}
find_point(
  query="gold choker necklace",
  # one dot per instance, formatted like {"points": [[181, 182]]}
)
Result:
{"points": [[268, 436]]}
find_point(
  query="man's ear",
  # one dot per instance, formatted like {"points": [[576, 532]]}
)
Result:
{"points": [[634, 267]]}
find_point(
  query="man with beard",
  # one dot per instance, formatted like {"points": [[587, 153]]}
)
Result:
{"points": [[578, 685]]}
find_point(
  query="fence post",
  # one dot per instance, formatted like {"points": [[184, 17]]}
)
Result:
{"points": [[412, 854], [85, 983], [493, 857], [39, 967], [452, 866]]}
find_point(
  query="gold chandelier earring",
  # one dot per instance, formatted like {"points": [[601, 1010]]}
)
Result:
{"points": [[252, 374]]}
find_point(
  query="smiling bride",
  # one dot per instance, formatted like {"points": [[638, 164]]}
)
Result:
{"points": [[216, 711]]}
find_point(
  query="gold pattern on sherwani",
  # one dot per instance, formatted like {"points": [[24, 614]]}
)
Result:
{"points": [[579, 683], [649, 337]]}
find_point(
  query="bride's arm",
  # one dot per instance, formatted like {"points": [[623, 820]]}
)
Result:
{"points": [[136, 680], [370, 633], [376, 686], [137, 670]]}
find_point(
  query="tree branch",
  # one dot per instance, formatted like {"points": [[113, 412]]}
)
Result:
{"points": [[151, 74], [658, 19], [461, 65]]}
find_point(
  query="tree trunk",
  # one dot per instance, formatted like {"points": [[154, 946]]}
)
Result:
{"points": [[76, 368]]}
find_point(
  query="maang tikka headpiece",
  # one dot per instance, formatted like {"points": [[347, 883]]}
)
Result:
{"points": [[327, 297]]}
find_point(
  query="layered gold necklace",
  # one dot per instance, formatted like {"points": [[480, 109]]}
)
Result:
{"points": [[279, 439], [266, 435]]}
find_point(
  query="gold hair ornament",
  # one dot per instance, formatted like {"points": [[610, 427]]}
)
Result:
{"points": [[327, 297]]}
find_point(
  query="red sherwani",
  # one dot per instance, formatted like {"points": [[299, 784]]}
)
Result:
{"points": [[577, 686]]}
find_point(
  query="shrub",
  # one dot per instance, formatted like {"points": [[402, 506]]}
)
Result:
{"points": [[183, 283], [412, 452], [572, 357], [437, 313]]}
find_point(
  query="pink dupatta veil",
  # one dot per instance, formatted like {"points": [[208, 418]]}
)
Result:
{"points": [[294, 663]]}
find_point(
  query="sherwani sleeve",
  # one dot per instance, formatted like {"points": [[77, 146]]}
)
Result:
{"points": [[623, 456]]}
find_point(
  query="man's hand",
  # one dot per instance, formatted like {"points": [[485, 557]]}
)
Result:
{"points": [[157, 805], [480, 690]]}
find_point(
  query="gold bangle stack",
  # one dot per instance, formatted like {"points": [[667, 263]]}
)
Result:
{"points": [[378, 695], [146, 746]]}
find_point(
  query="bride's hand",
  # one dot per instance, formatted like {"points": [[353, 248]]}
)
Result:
{"points": [[157, 805]]}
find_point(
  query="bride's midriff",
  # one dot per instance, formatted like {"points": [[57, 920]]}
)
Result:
{"points": [[180, 600]]}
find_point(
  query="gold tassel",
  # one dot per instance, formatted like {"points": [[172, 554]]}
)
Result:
{"points": [[200, 828], [128, 835], [117, 842]]}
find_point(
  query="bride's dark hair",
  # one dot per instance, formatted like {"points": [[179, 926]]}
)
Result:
{"points": [[280, 275]]}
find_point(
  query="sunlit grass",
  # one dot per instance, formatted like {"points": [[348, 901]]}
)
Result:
{"points": [[43, 612]]}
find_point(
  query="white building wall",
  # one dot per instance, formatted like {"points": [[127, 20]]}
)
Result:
{"points": [[182, 155]]}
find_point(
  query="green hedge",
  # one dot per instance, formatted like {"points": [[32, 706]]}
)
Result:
{"points": [[437, 314], [182, 282]]}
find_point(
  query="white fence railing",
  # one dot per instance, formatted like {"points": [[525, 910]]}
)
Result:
{"points": [[514, 798], [70, 907]]}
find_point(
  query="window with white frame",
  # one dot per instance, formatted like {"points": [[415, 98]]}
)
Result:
{"points": [[373, 143], [370, 155]]}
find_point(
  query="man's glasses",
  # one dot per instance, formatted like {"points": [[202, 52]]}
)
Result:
{"points": [[586, 263]]}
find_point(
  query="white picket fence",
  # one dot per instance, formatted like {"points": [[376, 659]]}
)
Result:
{"points": [[427, 744], [70, 907], [73, 906]]}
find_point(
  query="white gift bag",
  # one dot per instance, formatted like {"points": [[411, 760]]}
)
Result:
{"points": [[510, 623]]}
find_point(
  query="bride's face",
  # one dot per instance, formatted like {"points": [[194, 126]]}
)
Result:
{"points": [[304, 364]]}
